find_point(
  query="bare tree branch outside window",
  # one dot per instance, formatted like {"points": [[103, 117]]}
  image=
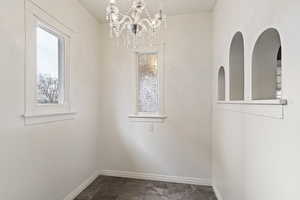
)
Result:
{"points": [[48, 89]]}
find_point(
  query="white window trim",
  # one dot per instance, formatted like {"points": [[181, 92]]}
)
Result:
{"points": [[149, 117], [36, 113]]}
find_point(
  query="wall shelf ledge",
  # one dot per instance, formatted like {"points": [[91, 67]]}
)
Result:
{"points": [[257, 102]]}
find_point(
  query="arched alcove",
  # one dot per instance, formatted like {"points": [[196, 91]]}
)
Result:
{"points": [[221, 84], [236, 67], [266, 66]]}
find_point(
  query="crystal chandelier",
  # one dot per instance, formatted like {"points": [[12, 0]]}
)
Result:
{"points": [[137, 27]]}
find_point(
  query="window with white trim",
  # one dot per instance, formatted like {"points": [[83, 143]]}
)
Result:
{"points": [[47, 67], [50, 66], [149, 84]]}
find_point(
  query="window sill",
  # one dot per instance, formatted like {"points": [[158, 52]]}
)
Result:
{"points": [[31, 119], [147, 118], [257, 102]]}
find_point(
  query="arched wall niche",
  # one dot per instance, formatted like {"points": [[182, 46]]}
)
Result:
{"points": [[266, 66], [236, 67], [221, 84]]}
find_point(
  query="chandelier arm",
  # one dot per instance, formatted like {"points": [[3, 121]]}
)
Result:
{"points": [[147, 21], [153, 24], [124, 26], [144, 28], [124, 18], [157, 25], [148, 14]]}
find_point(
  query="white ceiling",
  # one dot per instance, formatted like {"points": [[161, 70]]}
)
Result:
{"points": [[170, 7]]}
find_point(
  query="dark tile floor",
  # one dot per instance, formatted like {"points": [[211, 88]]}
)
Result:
{"points": [[112, 188]]}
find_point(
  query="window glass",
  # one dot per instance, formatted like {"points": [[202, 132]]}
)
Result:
{"points": [[148, 88], [49, 67]]}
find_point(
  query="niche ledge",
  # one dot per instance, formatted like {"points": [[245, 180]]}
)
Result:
{"points": [[262, 108], [257, 102]]}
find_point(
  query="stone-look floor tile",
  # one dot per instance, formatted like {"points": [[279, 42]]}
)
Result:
{"points": [[113, 188]]}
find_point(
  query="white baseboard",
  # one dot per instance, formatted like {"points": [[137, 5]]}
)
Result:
{"points": [[217, 192], [82, 187], [156, 177]]}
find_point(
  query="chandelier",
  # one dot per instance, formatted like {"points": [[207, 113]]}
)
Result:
{"points": [[137, 27]]}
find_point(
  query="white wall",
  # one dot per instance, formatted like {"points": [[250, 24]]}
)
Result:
{"points": [[46, 162], [256, 157], [182, 145]]}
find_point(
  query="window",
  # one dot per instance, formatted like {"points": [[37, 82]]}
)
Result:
{"points": [[47, 67], [149, 84], [50, 67], [148, 91]]}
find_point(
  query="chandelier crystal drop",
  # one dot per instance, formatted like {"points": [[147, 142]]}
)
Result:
{"points": [[137, 27]]}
